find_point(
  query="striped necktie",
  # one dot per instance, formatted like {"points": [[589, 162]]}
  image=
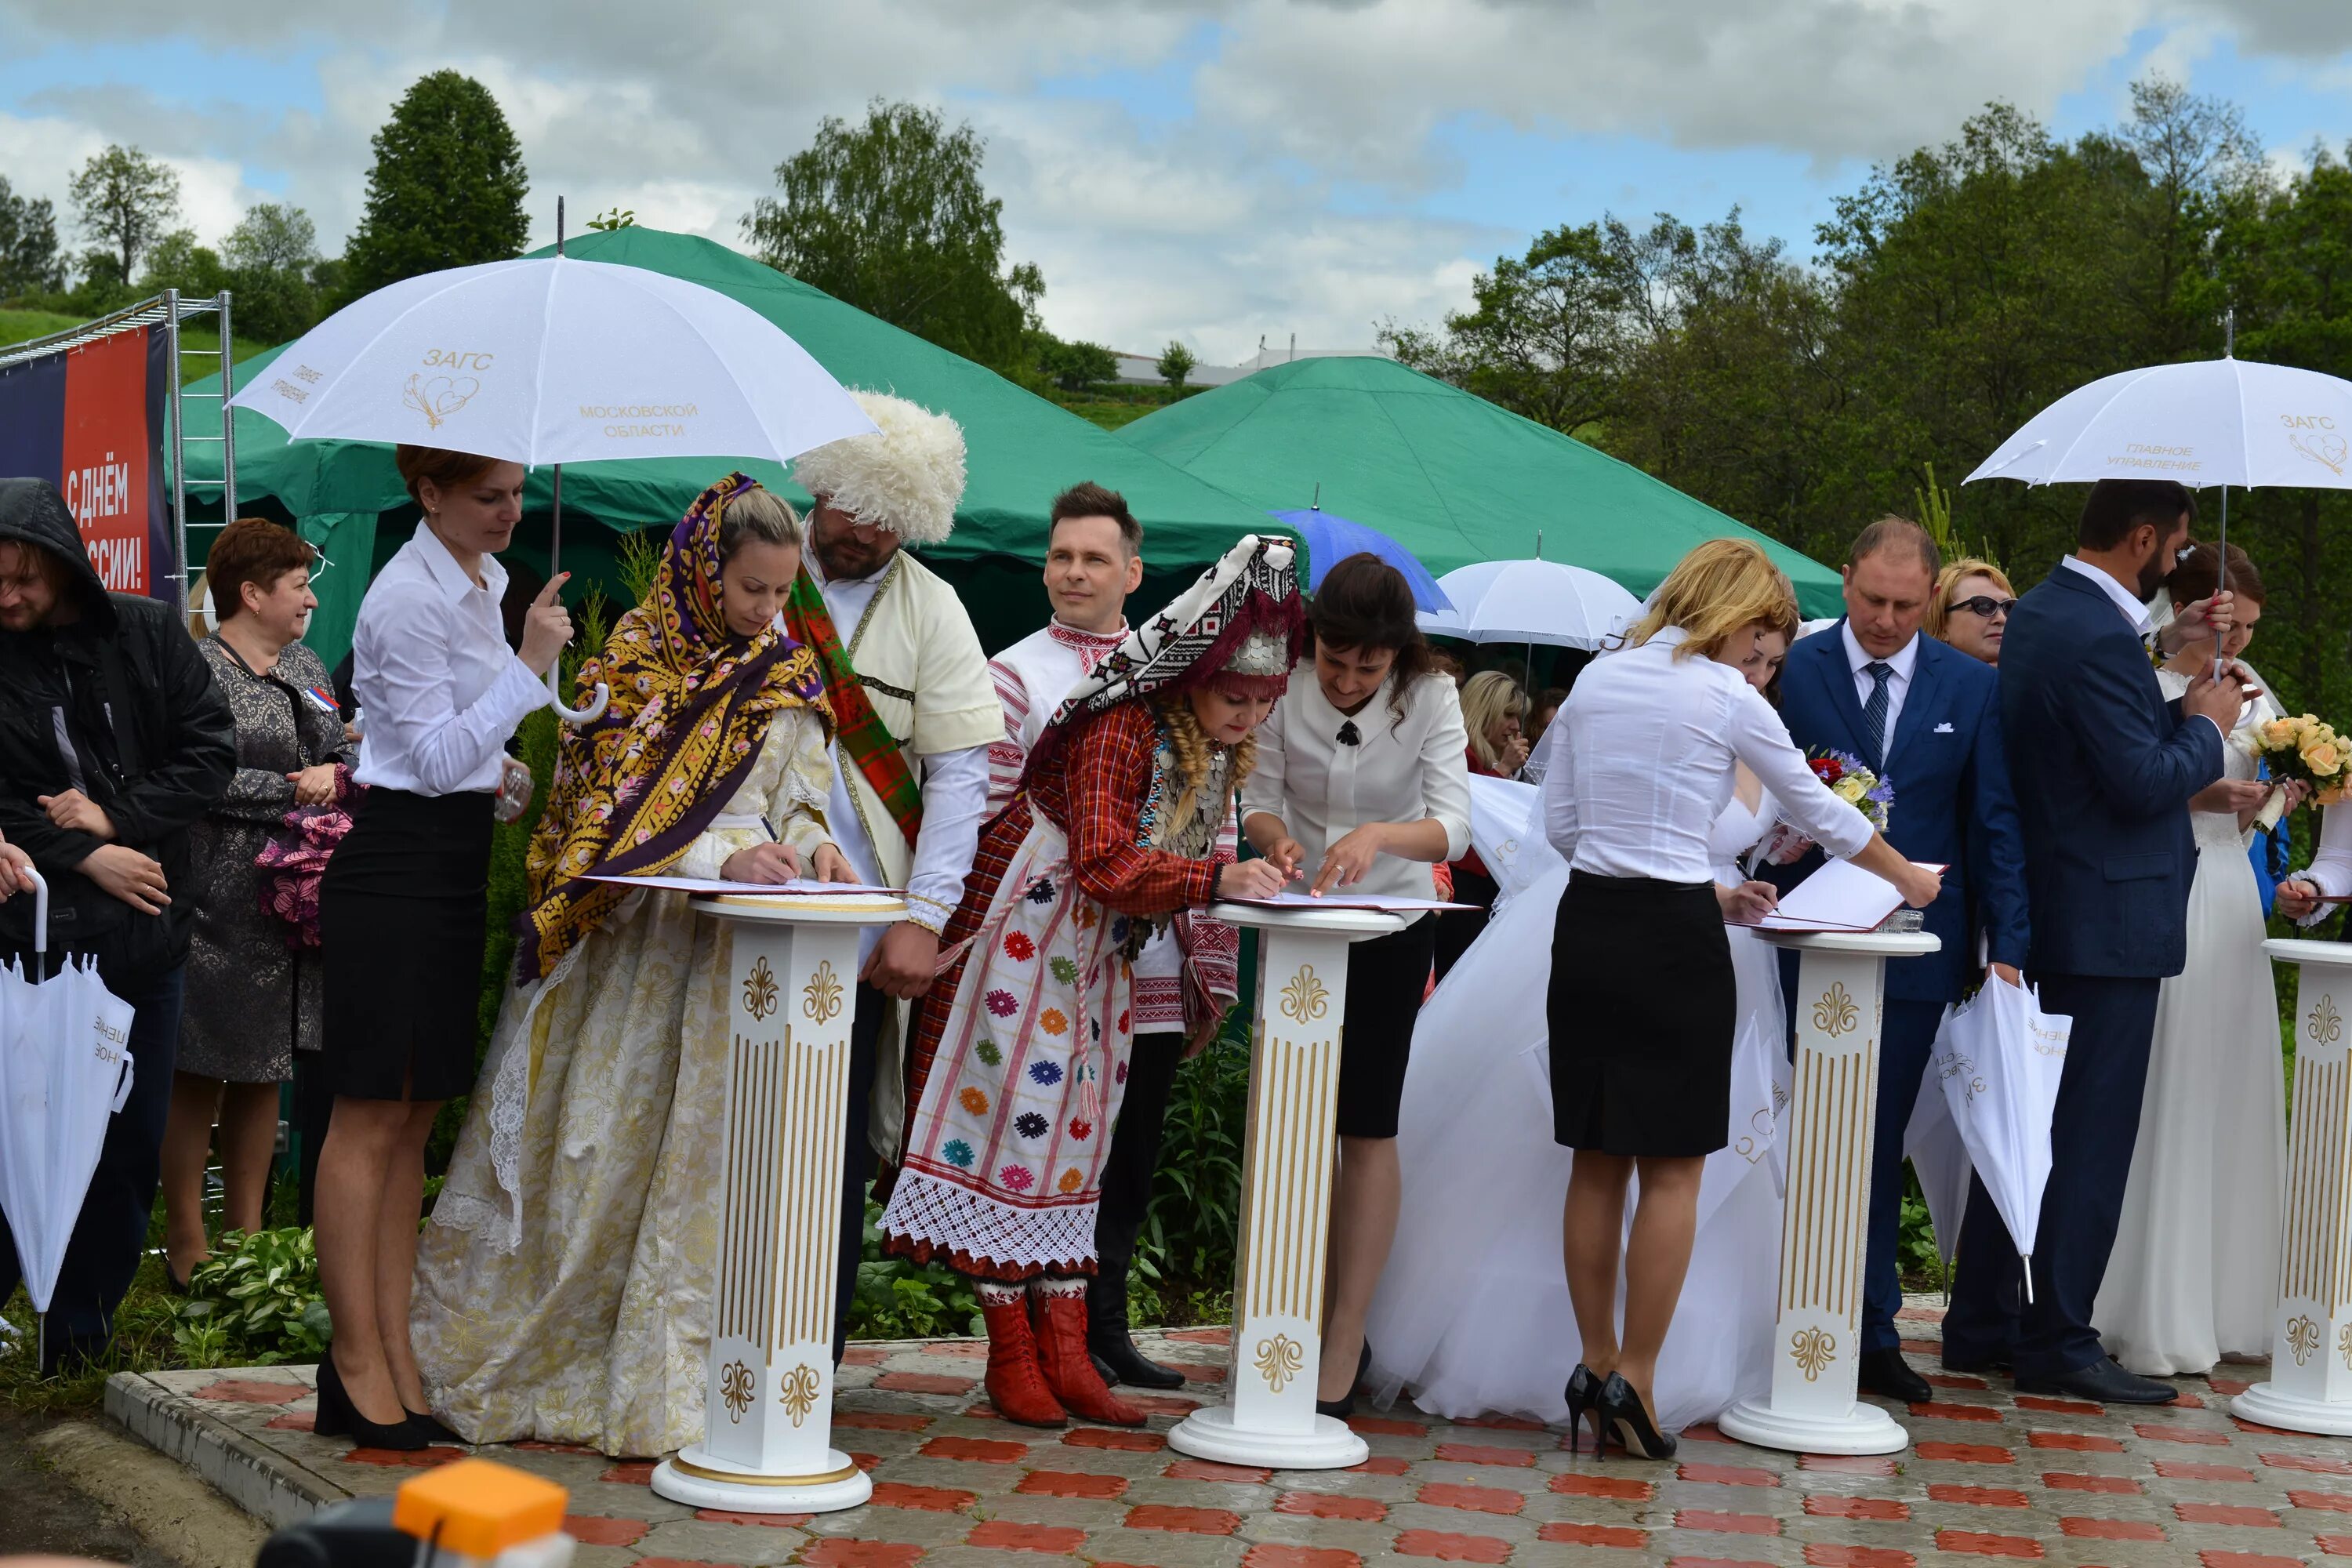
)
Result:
{"points": [[1873, 712]]}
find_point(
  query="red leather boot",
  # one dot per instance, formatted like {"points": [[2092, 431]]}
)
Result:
{"points": [[1016, 1385], [1070, 1371]]}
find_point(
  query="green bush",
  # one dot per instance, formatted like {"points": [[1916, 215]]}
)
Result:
{"points": [[254, 1302], [898, 1300]]}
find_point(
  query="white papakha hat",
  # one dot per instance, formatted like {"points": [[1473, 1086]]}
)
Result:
{"points": [[906, 478]]}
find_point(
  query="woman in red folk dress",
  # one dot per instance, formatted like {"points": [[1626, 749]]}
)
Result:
{"points": [[1019, 1053]]}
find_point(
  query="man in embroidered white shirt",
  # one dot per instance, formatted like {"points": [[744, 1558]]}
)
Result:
{"points": [[1094, 559], [915, 716]]}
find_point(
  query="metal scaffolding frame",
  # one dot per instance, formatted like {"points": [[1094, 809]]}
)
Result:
{"points": [[171, 312]]}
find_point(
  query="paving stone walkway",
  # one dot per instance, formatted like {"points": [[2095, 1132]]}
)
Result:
{"points": [[1991, 1474]]}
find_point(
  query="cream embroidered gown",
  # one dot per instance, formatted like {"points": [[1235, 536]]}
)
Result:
{"points": [[563, 1284]]}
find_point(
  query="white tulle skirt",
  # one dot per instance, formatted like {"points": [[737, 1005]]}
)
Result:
{"points": [[1472, 1316]]}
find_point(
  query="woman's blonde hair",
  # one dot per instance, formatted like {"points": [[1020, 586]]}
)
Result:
{"points": [[1488, 697], [1191, 744], [1724, 586], [1940, 602]]}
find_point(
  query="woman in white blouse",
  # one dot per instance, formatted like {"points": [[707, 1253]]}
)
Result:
{"points": [[1362, 783], [404, 910], [1643, 1000]]}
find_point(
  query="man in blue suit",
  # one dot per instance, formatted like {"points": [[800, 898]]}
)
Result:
{"points": [[1926, 718], [2103, 768]]}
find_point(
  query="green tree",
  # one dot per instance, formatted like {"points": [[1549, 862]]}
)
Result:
{"points": [[1074, 367], [125, 201], [891, 216], [1175, 364], [29, 262], [177, 261], [447, 189], [270, 255]]}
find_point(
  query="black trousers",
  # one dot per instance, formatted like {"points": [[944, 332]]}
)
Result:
{"points": [[2092, 1133], [857, 1155], [111, 1234], [1135, 1146]]}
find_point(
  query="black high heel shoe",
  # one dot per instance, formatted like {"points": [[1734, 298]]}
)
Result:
{"points": [[431, 1428], [1583, 1395], [1623, 1416], [1345, 1405], [338, 1418]]}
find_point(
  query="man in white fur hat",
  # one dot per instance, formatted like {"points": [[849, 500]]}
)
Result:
{"points": [[915, 712]]}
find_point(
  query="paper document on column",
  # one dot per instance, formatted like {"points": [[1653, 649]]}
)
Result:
{"points": [[1345, 900], [1840, 896], [799, 887]]}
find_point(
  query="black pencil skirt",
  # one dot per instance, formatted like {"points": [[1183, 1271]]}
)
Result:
{"points": [[403, 914], [1642, 1006], [1386, 978]]}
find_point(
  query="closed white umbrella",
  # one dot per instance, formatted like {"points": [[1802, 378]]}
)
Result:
{"points": [[2000, 1059], [65, 1071], [556, 361], [1532, 601]]}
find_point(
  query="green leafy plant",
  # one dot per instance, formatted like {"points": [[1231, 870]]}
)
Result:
{"points": [[1916, 1255], [638, 559], [255, 1298], [1191, 1229], [900, 1300]]}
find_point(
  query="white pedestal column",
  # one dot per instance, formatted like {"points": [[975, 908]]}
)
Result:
{"points": [[1302, 988], [2310, 1386], [1824, 1225], [768, 1389]]}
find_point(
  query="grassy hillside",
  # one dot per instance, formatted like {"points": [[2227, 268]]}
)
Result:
{"points": [[21, 326]]}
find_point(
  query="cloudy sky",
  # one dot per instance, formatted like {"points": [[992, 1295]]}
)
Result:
{"points": [[1217, 171]]}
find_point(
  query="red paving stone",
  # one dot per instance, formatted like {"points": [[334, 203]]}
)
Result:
{"points": [[1607, 1535], [1979, 1497], [1479, 1453], [1966, 1453], [1953, 1410], [631, 1472], [1727, 1475], [2225, 1513], [2197, 1471], [2156, 1433], [980, 1450], [1625, 1489], [2110, 1530], [1331, 1505], [1872, 1508], [1114, 1437], [2075, 1442], [1727, 1524], [1209, 1470], [1477, 1500], [1384, 1465], [1826, 1555], [923, 1382], [1954, 1380], [1069, 1483], [1269, 1554], [766, 1520], [591, 1530], [2067, 1482], [863, 1355], [2317, 1467], [412, 1459], [1448, 1548], [1006, 1535], [1976, 1544], [292, 1421], [2333, 1502], [1846, 1464], [841, 1551], [930, 1500], [2049, 1406], [878, 1420], [966, 1349], [243, 1390], [1511, 1424], [1384, 1427], [2246, 1559], [2335, 1545], [1186, 1520]]}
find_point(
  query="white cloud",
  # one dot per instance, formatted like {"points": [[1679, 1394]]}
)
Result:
{"points": [[1217, 216]]}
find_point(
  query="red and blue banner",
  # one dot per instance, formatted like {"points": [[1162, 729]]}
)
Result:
{"points": [[90, 421]]}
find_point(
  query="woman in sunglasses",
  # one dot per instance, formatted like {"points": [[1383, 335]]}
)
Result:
{"points": [[1970, 608]]}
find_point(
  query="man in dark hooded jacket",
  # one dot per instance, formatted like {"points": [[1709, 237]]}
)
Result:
{"points": [[114, 741]]}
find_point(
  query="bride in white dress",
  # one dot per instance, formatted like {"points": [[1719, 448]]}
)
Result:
{"points": [[1472, 1316], [2194, 1274]]}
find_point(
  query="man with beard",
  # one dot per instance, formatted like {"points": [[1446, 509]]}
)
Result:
{"points": [[2102, 768], [915, 713]]}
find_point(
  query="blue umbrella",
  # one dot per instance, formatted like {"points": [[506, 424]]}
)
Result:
{"points": [[1330, 539]]}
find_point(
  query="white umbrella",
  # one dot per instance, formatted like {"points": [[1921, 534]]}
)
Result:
{"points": [[2000, 1059], [65, 1069], [556, 361], [2223, 422], [1533, 601], [1932, 1143]]}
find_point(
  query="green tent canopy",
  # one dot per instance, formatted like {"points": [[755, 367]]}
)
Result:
{"points": [[1448, 475], [1023, 450]]}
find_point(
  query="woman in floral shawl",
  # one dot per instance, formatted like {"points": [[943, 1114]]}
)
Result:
{"points": [[562, 1286], [1019, 1052]]}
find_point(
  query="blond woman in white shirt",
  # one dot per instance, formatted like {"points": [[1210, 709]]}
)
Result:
{"points": [[1362, 784], [1643, 1003], [404, 910]]}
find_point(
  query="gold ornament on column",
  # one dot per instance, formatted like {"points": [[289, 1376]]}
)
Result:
{"points": [[759, 990], [799, 1397], [735, 1384], [1812, 1350], [2326, 1026], [1279, 1360], [821, 997], [2302, 1337], [1305, 998], [1835, 1014]]}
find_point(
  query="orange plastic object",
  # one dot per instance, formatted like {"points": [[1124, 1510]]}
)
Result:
{"points": [[479, 1508]]}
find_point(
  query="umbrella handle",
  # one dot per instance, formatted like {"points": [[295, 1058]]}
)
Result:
{"points": [[588, 715], [40, 911]]}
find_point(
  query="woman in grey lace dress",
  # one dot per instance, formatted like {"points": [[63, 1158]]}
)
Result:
{"points": [[252, 996]]}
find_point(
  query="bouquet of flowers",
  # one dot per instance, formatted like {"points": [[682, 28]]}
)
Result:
{"points": [[1851, 781], [2300, 748]]}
